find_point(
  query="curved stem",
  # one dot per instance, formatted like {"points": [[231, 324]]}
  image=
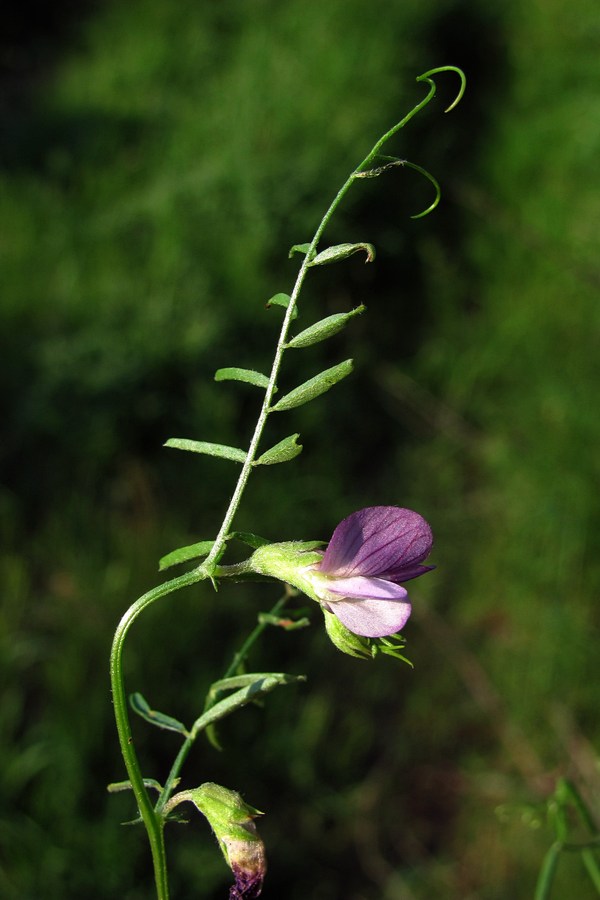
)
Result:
{"points": [[152, 821]]}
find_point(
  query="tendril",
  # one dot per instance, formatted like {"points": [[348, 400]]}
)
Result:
{"points": [[429, 177], [426, 76], [392, 162]]}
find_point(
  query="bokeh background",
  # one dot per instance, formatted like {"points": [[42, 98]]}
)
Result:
{"points": [[158, 159]]}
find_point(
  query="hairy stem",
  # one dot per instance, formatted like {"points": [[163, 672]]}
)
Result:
{"points": [[152, 821], [270, 390]]}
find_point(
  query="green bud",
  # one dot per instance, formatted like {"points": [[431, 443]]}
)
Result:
{"points": [[232, 821]]}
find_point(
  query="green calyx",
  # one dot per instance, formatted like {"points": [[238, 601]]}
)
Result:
{"points": [[349, 643], [291, 562], [227, 813], [232, 821]]}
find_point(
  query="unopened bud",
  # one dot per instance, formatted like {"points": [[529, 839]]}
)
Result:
{"points": [[232, 821]]}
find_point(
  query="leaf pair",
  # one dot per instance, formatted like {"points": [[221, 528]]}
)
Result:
{"points": [[289, 447], [247, 688], [286, 449]]}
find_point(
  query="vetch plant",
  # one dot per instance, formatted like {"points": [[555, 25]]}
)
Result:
{"points": [[357, 580]]}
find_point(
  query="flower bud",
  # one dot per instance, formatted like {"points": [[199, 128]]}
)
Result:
{"points": [[232, 823]]}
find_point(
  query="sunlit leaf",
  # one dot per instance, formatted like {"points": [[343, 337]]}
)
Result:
{"points": [[323, 329], [314, 387], [255, 685], [299, 248], [224, 685], [250, 376], [184, 554], [221, 450], [282, 300], [251, 540], [342, 251], [141, 706], [286, 449]]}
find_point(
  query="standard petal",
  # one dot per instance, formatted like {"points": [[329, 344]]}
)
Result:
{"points": [[372, 618], [409, 571], [360, 587], [385, 541]]}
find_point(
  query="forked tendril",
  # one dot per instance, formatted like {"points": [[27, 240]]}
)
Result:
{"points": [[426, 76], [364, 170], [391, 163]]}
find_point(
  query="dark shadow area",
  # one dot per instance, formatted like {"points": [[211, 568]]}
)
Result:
{"points": [[33, 37]]}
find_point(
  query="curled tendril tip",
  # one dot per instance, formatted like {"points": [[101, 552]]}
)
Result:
{"points": [[438, 192], [426, 76]]}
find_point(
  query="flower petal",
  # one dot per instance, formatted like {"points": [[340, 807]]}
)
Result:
{"points": [[385, 541], [409, 571], [359, 587], [372, 618]]}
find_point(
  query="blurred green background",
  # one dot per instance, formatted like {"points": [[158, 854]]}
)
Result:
{"points": [[158, 159]]}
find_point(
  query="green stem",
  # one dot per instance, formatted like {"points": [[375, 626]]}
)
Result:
{"points": [[591, 867], [185, 748], [242, 653], [152, 821], [547, 873], [567, 792], [270, 390]]}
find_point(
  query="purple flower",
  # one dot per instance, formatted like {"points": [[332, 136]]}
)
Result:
{"points": [[370, 553]]}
